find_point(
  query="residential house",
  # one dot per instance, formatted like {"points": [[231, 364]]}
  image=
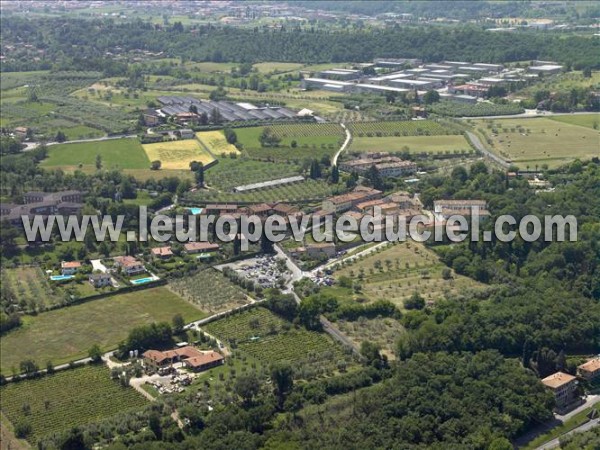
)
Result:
{"points": [[218, 209], [200, 247], [204, 361], [99, 280], [21, 132], [186, 133], [590, 370], [443, 209], [344, 202], [563, 386], [129, 265], [69, 267], [198, 360], [162, 252]]}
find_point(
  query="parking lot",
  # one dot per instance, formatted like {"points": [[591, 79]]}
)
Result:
{"points": [[263, 270]]}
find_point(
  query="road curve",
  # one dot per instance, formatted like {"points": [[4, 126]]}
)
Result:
{"points": [[480, 147], [344, 145]]}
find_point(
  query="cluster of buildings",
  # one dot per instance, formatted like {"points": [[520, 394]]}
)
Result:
{"points": [[443, 209], [386, 164], [190, 357], [455, 80], [565, 386], [63, 203], [188, 111]]}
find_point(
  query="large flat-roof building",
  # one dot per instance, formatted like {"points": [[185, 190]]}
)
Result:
{"points": [[546, 69], [340, 74]]}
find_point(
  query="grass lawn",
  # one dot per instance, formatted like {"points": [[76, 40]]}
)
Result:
{"points": [[66, 399], [66, 334], [583, 120], [177, 154], [216, 143], [115, 153], [415, 144], [529, 142], [405, 268]]}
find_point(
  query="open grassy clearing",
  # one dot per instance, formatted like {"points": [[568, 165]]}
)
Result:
{"points": [[397, 271], [399, 128], [582, 120], [413, 144], [268, 67], [216, 143], [115, 154], [177, 154], [270, 339], [66, 399], [210, 290], [66, 334], [537, 141], [382, 331]]}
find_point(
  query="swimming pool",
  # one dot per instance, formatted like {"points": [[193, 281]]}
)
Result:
{"points": [[195, 211], [142, 280], [61, 277]]}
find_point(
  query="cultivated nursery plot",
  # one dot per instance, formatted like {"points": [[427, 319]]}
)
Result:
{"points": [[210, 290], [270, 338], [114, 154], [65, 400], [229, 173], [397, 271], [531, 142], [399, 128], [216, 143], [28, 289], [177, 154]]}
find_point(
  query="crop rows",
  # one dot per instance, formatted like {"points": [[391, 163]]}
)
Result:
{"points": [[66, 399], [270, 339], [399, 128], [294, 155], [210, 290], [229, 173], [27, 289], [298, 130], [455, 109]]}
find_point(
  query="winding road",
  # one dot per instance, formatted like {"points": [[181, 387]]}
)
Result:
{"points": [[344, 145], [480, 147]]}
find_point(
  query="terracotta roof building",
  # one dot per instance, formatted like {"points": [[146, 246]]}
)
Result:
{"points": [[590, 370]]}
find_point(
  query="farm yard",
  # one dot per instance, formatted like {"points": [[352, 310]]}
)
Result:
{"points": [[397, 271], [66, 399], [30, 289], [115, 153], [210, 290], [216, 143], [534, 142], [66, 334], [269, 338], [411, 144], [177, 154]]}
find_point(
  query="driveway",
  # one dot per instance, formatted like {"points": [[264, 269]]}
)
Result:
{"points": [[97, 265]]}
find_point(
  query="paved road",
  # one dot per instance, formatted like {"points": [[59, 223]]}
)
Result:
{"points": [[590, 400], [344, 145], [479, 146], [33, 145], [554, 443]]}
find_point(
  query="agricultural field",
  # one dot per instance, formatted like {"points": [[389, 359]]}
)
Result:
{"points": [[210, 290], [269, 338], [382, 331], [115, 154], [231, 172], [412, 144], [397, 271], [582, 120], [278, 67], [538, 141], [66, 399], [400, 128], [177, 154], [298, 141], [457, 109], [66, 334], [305, 191], [216, 143], [30, 288]]}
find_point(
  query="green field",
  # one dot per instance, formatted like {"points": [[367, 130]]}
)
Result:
{"points": [[30, 287], [268, 67], [399, 128], [177, 155], [66, 399], [229, 172], [66, 334], [583, 120], [397, 271], [270, 339], [382, 331], [216, 143], [298, 141], [115, 153], [537, 141], [413, 144]]}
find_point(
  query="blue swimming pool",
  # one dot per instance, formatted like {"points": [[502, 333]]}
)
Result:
{"points": [[61, 277], [195, 211], [142, 280]]}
